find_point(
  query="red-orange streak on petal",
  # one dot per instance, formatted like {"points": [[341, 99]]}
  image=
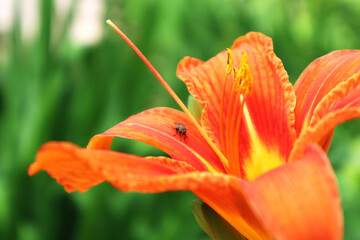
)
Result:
{"points": [[157, 127], [223, 112], [351, 100], [299, 200], [319, 78], [79, 169], [135, 173]]}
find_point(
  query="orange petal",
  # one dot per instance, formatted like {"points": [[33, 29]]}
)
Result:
{"points": [[299, 200], [79, 169], [61, 161], [204, 82], [346, 95], [341, 104], [212, 188], [319, 79], [157, 128], [321, 133]]}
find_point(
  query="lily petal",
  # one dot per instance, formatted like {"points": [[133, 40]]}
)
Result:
{"points": [[157, 127], [341, 104], [345, 96], [299, 200], [205, 83], [319, 79], [321, 133], [80, 169], [59, 159]]}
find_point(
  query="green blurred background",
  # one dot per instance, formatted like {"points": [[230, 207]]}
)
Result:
{"points": [[66, 75]]}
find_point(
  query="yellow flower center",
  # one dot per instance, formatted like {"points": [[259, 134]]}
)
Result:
{"points": [[261, 159]]}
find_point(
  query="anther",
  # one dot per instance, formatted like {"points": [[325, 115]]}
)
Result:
{"points": [[229, 61], [243, 79]]}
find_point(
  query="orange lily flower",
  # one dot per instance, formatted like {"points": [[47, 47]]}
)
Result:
{"points": [[257, 156]]}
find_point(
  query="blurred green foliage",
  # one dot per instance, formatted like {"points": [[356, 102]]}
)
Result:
{"points": [[54, 89]]}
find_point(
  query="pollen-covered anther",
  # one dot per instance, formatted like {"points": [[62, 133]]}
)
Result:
{"points": [[229, 61], [243, 79]]}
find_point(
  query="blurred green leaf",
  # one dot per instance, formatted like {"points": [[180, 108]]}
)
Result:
{"points": [[212, 223]]}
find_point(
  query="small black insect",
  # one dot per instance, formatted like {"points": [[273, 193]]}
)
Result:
{"points": [[180, 130]]}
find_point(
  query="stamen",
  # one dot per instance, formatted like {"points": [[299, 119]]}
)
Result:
{"points": [[229, 68], [242, 88], [246, 79], [229, 61], [231, 114], [175, 97], [237, 80], [235, 164]]}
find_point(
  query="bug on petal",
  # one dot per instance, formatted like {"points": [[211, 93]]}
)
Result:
{"points": [[180, 130]]}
